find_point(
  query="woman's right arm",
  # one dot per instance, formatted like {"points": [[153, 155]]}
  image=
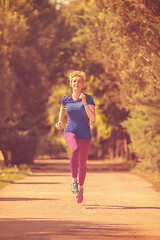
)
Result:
{"points": [[62, 112]]}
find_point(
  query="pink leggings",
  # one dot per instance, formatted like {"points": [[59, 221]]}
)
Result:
{"points": [[79, 155]]}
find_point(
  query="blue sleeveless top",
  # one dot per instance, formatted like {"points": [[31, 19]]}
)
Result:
{"points": [[77, 119]]}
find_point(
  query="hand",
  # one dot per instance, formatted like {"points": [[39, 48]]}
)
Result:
{"points": [[83, 97], [58, 125]]}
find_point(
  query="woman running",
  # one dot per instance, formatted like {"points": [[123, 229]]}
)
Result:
{"points": [[80, 110]]}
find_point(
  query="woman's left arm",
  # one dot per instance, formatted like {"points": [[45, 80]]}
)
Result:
{"points": [[90, 109]]}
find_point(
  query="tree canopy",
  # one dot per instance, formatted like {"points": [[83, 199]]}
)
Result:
{"points": [[34, 52], [115, 42]]}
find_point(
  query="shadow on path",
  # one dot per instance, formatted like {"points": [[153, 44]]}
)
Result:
{"points": [[118, 207], [63, 166], [52, 183], [17, 199], [51, 166], [31, 229]]}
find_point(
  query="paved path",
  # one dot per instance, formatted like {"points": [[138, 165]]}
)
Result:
{"points": [[116, 206]]}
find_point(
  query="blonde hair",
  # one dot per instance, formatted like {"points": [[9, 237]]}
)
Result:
{"points": [[77, 74]]}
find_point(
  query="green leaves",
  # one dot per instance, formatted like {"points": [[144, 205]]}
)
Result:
{"points": [[34, 55], [115, 42], [123, 38], [5, 4]]}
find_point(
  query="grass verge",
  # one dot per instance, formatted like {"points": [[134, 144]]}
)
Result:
{"points": [[149, 174], [12, 174], [151, 177]]}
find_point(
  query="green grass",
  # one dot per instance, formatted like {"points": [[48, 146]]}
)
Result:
{"points": [[115, 161], [12, 174], [118, 164], [149, 174], [151, 177]]}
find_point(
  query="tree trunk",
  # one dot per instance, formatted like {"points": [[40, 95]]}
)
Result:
{"points": [[6, 156], [117, 148]]}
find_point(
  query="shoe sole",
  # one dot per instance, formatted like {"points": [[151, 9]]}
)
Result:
{"points": [[74, 191], [79, 200]]}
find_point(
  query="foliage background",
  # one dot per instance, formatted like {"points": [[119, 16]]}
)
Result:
{"points": [[117, 44]]}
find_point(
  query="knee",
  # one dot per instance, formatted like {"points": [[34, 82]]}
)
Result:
{"points": [[74, 150]]}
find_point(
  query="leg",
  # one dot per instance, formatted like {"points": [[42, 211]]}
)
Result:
{"points": [[72, 142], [84, 147]]}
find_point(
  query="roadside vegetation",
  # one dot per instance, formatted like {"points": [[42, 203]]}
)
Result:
{"points": [[146, 173], [137, 168], [10, 175], [116, 42]]}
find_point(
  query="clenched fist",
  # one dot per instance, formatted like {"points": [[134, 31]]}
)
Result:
{"points": [[83, 97], [58, 125]]}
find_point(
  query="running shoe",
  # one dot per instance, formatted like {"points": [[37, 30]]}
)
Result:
{"points": [[74, 187], [79, 196]]}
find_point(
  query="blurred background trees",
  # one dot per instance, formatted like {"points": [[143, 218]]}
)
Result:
{"points": [[117, 44], [34, 52]]}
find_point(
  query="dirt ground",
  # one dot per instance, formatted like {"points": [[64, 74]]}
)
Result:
{"points": [[117, 205]]}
